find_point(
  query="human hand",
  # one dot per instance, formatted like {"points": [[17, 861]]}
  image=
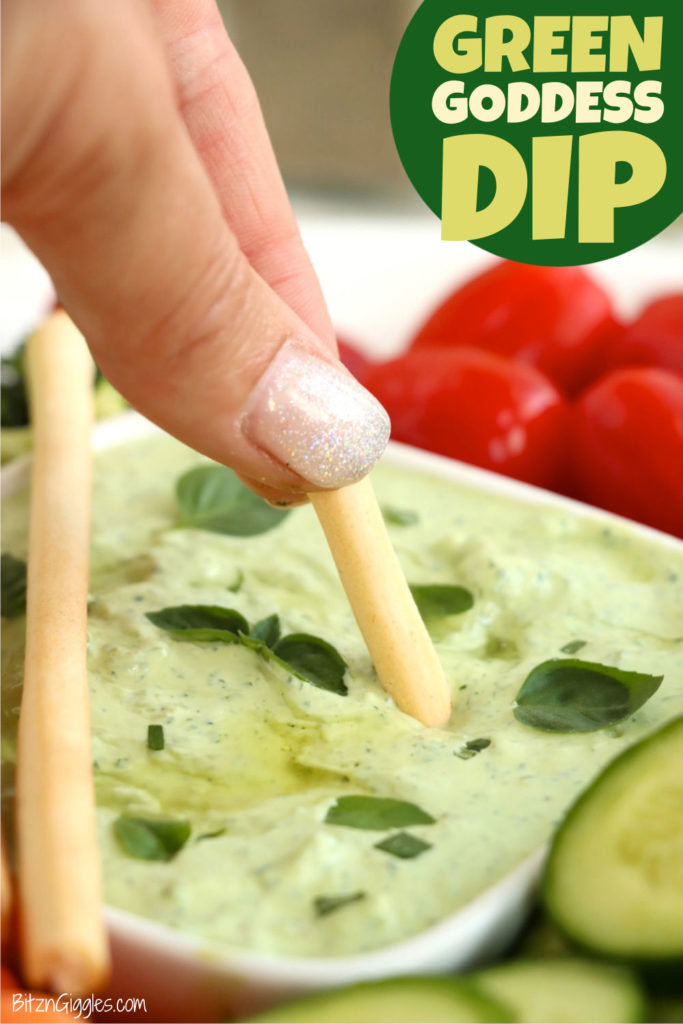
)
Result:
{"points": [[138, 169]]}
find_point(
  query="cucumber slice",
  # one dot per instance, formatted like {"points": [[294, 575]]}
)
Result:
{"points": [[667, 1009], [614, 878], [565, 989], [395, 1001]]}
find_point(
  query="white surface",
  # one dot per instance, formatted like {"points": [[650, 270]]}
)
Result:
{"points": [[26, 292], [382, 272]]}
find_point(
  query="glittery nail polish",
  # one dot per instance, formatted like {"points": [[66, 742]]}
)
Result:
{"points": [[316, 419]]}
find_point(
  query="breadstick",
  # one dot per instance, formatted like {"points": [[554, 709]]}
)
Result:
{"points": [[63, 941], [397, 639]]}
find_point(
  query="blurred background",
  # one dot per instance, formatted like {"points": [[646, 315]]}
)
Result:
{"points": [[322, 70]]}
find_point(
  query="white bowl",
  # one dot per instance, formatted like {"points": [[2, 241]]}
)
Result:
{"points": [[184, 979]]}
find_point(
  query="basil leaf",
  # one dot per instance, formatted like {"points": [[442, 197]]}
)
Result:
{"points": [[399, 516], [254, 643], [328, 904], [13, 586], [264, 651], [403, 845], [267, 630], [200, 622], [573, 646], [435, 601], [214, 498], [570, 695], [151, 839], [299, 654], [472, 748], [377, 813], [155, 737], [313, 659]]}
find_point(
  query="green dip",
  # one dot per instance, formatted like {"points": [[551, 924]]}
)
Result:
{"points": [[259, 757]]}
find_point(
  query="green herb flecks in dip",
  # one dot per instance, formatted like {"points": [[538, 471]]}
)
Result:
{"points": [[155, 737], [255, 758]]}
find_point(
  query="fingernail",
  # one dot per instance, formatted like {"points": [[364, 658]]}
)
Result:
{"points": [[316, 419]]}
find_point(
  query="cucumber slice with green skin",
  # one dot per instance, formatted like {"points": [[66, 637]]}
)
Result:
{"points": [[667, 1009], [614, 877], [396, 1001], [565, 989]]}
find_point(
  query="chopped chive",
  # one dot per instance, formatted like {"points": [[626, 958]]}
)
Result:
{"points": [[155, 737], [573, 646], [472, 748], [325, 905]]}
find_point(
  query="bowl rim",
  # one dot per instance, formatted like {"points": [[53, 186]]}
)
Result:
{"points": [[427, 951], [130, 425]]}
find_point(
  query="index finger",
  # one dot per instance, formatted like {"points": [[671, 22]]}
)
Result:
{"points": [[220, 108]]}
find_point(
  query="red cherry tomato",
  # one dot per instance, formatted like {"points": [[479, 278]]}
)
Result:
{"points": [[353, 359], [553, 318], [628, 445], [654, 338], [478, 407]]}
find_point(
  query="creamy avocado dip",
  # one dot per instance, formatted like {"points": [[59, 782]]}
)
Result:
{"points": [[254, 758]]}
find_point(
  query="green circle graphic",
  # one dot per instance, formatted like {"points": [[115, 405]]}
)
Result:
{"points": [[419, 134]]}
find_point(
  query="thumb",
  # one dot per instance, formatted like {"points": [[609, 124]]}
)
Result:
{"points": [[101, 179]]}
